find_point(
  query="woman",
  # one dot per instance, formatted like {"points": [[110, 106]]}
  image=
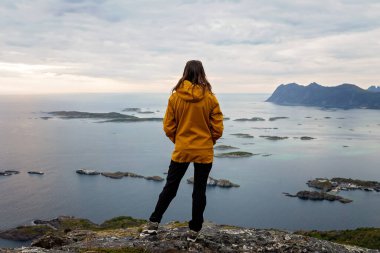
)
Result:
{"points": [[193, 122]]}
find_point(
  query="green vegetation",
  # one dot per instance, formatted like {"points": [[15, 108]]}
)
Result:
{"points": [[76, 223], [31, 232], [363, 237], [179, 224], [115, 250], [122, 222]]}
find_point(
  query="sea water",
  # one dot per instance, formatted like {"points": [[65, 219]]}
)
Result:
{"points": [[59, 147]]}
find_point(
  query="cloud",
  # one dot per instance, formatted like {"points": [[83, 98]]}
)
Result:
{"points": [[246, 46]]}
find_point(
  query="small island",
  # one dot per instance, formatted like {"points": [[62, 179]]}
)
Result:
{"points": [[241, 135], [237, 154], [343, 184], [9, 172], [334, 185], [273, 137], [224, 147], [276, 118], [118, 174], [110, 116], [251, 119], [315, 195]]}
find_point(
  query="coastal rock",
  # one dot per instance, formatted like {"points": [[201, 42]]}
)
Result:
{"points": [[25, 233], [216, 182], [9, 172], [276, 118], [224, 147], [154, 178], [50, 241], [241, 135], [127, 120], [320, 183], [315, 195], [171, 237], [273, 137], [110, 116], [114, 175], [12, 171], [305, 138], [33, 172], [343, 184], [131, 109], [237, 154], [131, 174], [87, 172], [251, 119]]}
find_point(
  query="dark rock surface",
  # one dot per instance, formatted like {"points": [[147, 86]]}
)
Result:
{"points": [[33, 172], [224, 147], [241, 135], [87, 172], [345, 96], [305, 138], [154, 178], [276, 118], [251, 119], [171, 237], [114, 175], [273, 137], [119, 175], [9, 172], [236, 154], [315, 195]]}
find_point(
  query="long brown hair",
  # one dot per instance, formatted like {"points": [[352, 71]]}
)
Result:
{"points": [[195, 73]]}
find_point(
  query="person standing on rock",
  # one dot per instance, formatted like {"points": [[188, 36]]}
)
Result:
{"points": [[193, 122]]}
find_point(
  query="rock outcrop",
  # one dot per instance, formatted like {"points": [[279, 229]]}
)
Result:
{"points": [[171, 237], [315, 195]]}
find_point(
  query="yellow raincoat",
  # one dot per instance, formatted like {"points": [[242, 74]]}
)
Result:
{"points": [[193, 122]]}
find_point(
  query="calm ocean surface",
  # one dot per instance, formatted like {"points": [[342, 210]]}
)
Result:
{"points": [[59, 147]]}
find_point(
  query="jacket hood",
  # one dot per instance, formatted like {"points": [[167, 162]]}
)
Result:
{"points": [[189, 92]]}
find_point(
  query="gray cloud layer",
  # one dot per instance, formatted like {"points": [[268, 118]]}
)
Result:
{"points": [[246, 46]]}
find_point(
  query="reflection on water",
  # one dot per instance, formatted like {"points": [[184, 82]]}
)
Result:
{"points": [[59, 147]]}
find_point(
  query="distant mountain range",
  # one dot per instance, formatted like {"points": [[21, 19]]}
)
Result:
{"points": [[346, 96]]}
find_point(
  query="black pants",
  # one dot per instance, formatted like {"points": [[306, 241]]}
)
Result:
{"points": [[175, 174]]}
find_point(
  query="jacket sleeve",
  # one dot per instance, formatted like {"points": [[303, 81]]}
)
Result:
{"points": [[170, 125], [216, 121]]}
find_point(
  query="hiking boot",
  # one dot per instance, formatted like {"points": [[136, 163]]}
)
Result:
{"points": [[150, 228], [192, 235]]}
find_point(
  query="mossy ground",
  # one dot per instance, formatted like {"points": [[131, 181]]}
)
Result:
{"points": [[363, 237], [33, 231], [122, 222], [75, 223]]}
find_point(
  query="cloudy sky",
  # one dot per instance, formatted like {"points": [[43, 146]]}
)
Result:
{"points": [[50, 46]]}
